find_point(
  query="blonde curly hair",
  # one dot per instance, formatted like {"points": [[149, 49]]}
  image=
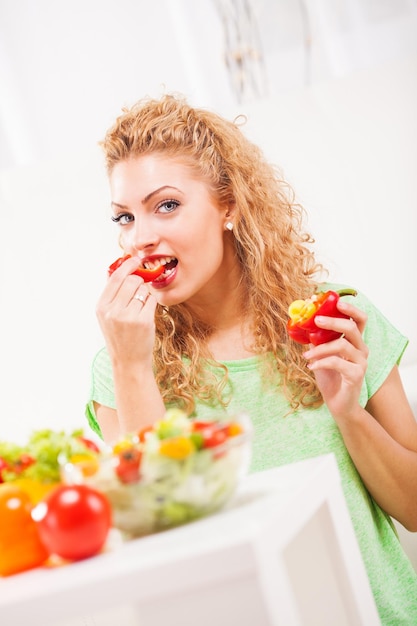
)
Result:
{"points": [[277, 263]]}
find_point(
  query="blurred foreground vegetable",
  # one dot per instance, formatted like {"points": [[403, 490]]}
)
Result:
{"points": [[20, 544], [73, 521]]}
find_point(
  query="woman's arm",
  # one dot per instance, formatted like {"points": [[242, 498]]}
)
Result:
{"points": [[139, 404], [381, 438], [382, 442], [128, 327], [108, 422]]}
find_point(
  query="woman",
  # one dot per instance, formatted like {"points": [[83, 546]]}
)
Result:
{"points": [[189, 191]]}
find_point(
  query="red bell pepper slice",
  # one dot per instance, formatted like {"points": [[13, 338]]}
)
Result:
{"points": [[147, 275], [89, 444], [301, 326]]}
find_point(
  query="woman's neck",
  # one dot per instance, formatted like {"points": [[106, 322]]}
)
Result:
{"points": [[222, 308], [232, 341]]}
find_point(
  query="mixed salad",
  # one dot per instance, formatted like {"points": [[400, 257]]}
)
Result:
{"points": [[61, 494], [173, 472]]}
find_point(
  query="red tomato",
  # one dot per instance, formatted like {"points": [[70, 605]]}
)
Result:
{"points": [[22, 463], [213, 437], [213, 433], [199, 424], [73, 521], [128, 465]]}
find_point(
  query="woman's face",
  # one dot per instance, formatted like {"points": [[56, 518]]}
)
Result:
{"points": [[165, 212]]}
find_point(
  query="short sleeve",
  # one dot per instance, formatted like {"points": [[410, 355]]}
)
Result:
{"points": [[385, 342], [101, 389]]}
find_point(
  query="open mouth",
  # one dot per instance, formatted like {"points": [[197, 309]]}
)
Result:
{"points": [[169, 263]]}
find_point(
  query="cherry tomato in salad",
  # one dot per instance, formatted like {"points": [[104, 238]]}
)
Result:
{"points": [[213, 433], [128, 465], [20, 545], [23, 462], [73, 521], [213, 437], [200, 424]]}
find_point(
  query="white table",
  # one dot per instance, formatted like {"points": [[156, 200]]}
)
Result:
{"points": [[283, 553]]}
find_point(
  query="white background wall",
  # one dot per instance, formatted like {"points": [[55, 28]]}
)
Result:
{"points": [[344, 132]]}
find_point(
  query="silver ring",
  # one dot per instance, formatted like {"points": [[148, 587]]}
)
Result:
{"points": [[140, 297]]}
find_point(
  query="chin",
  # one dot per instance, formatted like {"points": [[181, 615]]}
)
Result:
{"points": [[165, 300]]}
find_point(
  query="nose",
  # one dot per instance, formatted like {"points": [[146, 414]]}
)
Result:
{"points": [[144, 234]]}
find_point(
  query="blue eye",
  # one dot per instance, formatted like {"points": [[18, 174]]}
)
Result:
{"points": [[122, 218], [167, 206]]}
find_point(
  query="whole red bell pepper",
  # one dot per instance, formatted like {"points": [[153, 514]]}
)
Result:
{"points": [[147, 275], [301, 326]]}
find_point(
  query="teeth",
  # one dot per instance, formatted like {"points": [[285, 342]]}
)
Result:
{"points": [[150, 265]]}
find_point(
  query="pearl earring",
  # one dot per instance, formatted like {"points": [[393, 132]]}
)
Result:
{"points": [[229, 225]]}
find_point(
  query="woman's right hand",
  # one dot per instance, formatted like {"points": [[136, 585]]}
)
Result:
{"points": [[126, 312], [128, 326]]}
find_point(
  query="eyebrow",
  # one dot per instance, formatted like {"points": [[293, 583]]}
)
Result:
{"points": [[147, 197]]}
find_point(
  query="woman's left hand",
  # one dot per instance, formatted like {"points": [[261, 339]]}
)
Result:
{"points": [[340, 365]]}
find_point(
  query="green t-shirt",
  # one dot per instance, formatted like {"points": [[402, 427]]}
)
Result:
{"points": [[282, 437]]}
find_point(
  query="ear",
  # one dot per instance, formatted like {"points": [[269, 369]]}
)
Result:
{"points": [[229, 214], [230, 209]]}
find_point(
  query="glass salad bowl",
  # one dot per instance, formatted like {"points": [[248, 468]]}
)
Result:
{"points": [[177, 471]]}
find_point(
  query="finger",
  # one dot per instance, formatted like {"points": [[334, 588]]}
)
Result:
{"points": [[141, 296], [120, 295], [349, 370], [144, 302], [123, 274], [354, 350], [359, 316], [348, 328]]}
